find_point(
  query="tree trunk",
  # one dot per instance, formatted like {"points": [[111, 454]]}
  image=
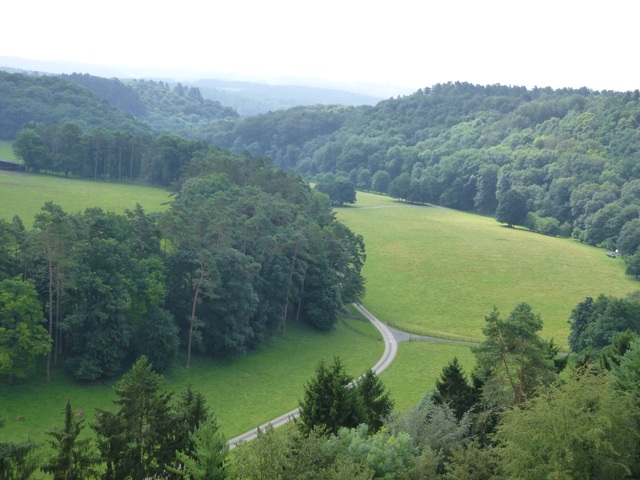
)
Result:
{"points": [[48, 367], [193, 313], [120, 160], [131, 163], [301, 292], [286, 303]]}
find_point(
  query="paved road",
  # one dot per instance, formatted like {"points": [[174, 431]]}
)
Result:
{"points": [[390, 351]]}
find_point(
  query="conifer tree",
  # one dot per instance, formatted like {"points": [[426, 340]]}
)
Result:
{"points": [[135, 441], [328, 401], [376, 403], [17, 460], [512, 361], [191, 411], [453, 389], [73, 458], [206, 460]]}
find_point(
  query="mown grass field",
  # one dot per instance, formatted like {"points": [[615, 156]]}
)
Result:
{"points": [[441, 272], [24, 194], [418, 365], [243, 392], [6, 151]]}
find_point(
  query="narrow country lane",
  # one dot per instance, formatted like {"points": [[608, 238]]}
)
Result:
{"points": [[390, 351]]}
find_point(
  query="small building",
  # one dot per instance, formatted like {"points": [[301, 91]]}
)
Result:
{"points": [[9, 165]]}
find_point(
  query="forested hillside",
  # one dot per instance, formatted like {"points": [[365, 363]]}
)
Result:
{"points": [[26, 99], [166, 107], [250, 98], [136, 106], [245, 248], [562, 162]]}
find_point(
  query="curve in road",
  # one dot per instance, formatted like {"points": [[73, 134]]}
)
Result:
{"points": [[390, 352]]}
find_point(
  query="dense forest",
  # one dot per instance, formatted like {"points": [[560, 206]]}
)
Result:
{"points": [[243, 249], [26, 99], [561, 162], [167, 107], [136, 106]]}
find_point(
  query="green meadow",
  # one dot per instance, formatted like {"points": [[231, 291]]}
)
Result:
{"points": [[23, 194], [243, 392], [6, 151], [429, 270], [440, 271], [418, 365]]}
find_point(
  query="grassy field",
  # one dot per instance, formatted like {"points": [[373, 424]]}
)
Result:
{"points": [[24, 194], [441, 271], [418, 365], [432, 270], [6, 151], [243, 393]]}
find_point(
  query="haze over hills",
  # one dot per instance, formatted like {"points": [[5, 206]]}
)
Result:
{"points": [[246, 95]]}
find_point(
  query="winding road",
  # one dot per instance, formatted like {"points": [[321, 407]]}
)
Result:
{"points": [[390, 351]]}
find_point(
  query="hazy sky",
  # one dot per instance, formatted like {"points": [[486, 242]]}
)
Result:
{"points": [[412, 43]]}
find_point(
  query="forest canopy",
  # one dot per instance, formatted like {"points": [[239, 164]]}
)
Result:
{"points": [[244, 249], [559, 162]]}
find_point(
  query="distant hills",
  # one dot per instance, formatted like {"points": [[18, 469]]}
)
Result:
{"points": [[250, 98], [245, 96]]}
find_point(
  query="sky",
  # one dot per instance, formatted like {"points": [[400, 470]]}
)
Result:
{"points": [[408, 43]]}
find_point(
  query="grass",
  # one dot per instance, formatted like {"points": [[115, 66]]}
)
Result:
{"points": [[6, 151], [23, 194], [441, 271], [243, 392], [418, 365]]}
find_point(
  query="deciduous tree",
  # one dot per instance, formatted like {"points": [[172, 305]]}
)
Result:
{"points": [[22, 335], [512, 208], [581, 429]]}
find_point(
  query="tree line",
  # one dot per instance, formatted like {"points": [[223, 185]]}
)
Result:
{"points": [[98, 153], [243, 250]]}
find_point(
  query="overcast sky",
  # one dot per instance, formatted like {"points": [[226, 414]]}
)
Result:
{"points": [[411, 43]]}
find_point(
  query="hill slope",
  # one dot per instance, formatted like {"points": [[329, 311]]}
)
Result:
{"points": [[440, 271], [561, 162], [251, 98], [47, 100]]}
